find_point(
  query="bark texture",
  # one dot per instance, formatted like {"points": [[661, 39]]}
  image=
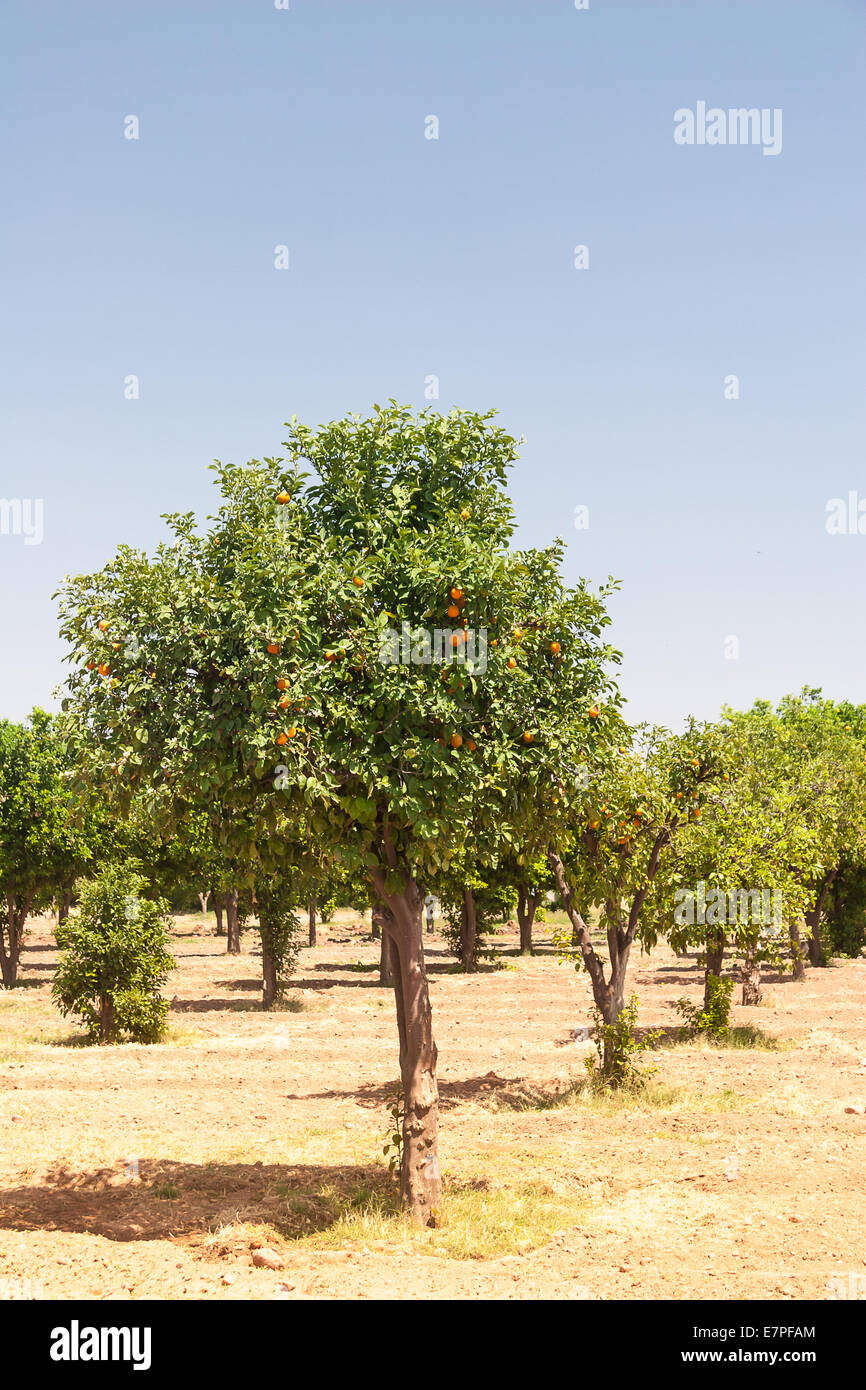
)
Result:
{"points": [[402, 923]]}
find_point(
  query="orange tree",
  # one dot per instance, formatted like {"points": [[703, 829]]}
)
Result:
{"points": [[613, 852], [300, 631]]}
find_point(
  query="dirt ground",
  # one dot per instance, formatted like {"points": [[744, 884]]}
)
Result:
{"points": [[157, 1172]]}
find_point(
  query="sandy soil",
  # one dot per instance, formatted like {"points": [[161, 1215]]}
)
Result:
{"points": [[157, 1171]]}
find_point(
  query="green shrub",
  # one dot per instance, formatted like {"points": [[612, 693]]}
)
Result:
{"points": [[618, 1045], [115, 960], [714, 1019]]}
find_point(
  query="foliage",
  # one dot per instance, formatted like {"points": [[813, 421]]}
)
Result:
{"points": [[393, 1145], [712, 1020], [114, 960], [618, 1045]]}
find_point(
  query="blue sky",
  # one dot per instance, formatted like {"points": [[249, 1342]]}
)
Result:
{"points": [[454, 257]]}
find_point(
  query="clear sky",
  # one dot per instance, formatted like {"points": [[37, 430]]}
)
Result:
{"points": [[411, 257]]}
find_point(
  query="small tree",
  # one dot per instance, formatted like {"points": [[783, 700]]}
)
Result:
{"points": [[616, 855], [115, 960]]}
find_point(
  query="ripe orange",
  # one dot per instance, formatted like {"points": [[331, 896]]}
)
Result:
{"points": [[329, 656], [292, 731], [725, 776], [283, 738], [456, 639], [495, 642], [518, 633], [471, 745], [593, 712], [457, 595], [104, 669], [358, 582], [456, 740], [527, 736], [453, 611], [465, 513], [103, 625], [284, 496], [90, 665], [284, 703], [274, 648], [555, 648], [679, 796], [282, 683], [593, 825], [511, 663]]}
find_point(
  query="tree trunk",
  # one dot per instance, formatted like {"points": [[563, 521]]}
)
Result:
{"points": [[233, 931], [386, 968], [269, 967], [106, 1018], [420, 1177], [468, 932], [312, 922], [609, 996], [218, 903], [12, 938], [203, 897], [526, 905], [715, 956], [65, 904], [751, 973], [379, 913], [817, 955], [798, 967]]}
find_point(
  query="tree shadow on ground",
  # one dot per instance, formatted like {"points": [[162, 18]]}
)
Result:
{"points": [[168, 1199], [370, 1096], [206, 1006]]}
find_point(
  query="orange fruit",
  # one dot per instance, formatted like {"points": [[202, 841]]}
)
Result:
{"points": [[274, 648], [284, 703], [284, 497], [593, 712], [358, 582], [282, 683], [511, 663], [104, 669], [283, 738], [555, 648], [725, 776], [471, 745], [527, 736], [90, 665], [453, 611], [457, 595], [103, 625], [292, 731], [329, 656], [679, 796], [456, 639], [465, 513], [518, 633], [495, 642], [456, 740]]}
